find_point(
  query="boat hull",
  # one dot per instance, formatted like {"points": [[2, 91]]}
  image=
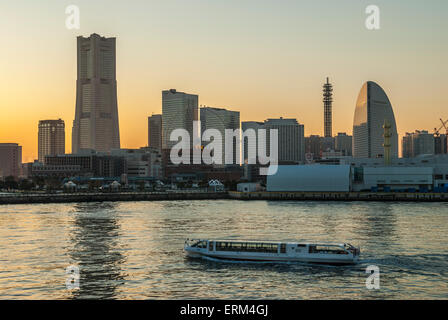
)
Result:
{"points": [[272, 259]]}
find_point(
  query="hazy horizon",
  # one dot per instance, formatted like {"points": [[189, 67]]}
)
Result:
{"points": [[263, 58]]}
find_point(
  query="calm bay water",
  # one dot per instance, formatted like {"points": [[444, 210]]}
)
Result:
{"points": [[134, 250]]}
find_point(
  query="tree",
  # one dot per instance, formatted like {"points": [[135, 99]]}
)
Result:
{"points": [[26, 184], [11, 183]]}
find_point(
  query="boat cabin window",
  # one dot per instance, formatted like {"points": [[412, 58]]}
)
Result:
{"points": [[210, 246], [200, 244], [326, 250], [247, 247], [283, 248]]}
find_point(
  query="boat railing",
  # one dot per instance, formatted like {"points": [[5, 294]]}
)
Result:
{"points": [[191, 242]]}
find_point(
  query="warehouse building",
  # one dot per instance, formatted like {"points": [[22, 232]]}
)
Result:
{"points": [[323, 178]]}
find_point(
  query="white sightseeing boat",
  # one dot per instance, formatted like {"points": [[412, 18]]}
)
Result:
{"points": [[272, 251]]}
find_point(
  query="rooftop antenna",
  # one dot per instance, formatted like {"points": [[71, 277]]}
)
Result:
{"points": [[328, 102]]}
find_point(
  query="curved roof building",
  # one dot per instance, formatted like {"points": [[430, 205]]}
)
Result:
{"points": [[372, 109]]}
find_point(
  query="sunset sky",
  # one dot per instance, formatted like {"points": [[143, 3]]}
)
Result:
{"points": [[264, 58]]}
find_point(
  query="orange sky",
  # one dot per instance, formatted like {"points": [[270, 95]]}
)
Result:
{"points": [[265, 61]]}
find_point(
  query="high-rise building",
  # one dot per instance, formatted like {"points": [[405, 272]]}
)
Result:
{"points": [[179, 110], [406, 146], [222, 119], [373, 108], [327, 144], [250, 148], [440, 144], [155, 132], [10, 159], [291, 140], [343, 143], [51, 138], [328, 102], [417, 143], [96, 118], [313, 146]]}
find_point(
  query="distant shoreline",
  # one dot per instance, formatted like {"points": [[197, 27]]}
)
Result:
{"points": [[24, 198]]}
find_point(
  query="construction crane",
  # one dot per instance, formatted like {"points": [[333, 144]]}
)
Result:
{"points": [[444, 125]]}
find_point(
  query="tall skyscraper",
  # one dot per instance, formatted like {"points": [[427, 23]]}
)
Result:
{"points": [[179, 110], [372, 109], [291, 140], [10, 159], [51, 138], [328, 102], [221, 119], [96, 118], [155, 131]]}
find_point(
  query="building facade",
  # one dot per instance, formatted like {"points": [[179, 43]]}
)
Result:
{"points": [[417, 143], [343, 143], [440, 144], [291, 140], [222, 119], [10, 159], [155, 132], [250, 148], [143, 162], [373, 109], [93, 165], [96, 117], [51, 138], [179, 110]]}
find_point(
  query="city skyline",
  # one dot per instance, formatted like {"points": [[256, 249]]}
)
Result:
{"points": [[245, 57]]}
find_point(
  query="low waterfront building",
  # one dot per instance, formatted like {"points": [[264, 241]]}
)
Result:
{"points": [[316, 177], [438, 163], [91, 164], [422, 173], [38, 169], [248, 187], [392, 178], [143, 162]]}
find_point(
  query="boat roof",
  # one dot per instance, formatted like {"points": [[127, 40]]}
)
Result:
{"points": [[279, 242]]}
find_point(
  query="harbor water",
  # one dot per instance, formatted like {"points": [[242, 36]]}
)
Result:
{"points": [[134, 250]]}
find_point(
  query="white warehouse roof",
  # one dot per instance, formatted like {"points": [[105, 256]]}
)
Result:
{"points": [[310, 178]]}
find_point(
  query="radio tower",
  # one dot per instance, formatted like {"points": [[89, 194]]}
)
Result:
{"points": [[328, 101]]}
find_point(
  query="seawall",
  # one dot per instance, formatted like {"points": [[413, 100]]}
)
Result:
{"points": [[118, 196], [18, 198], [340, 196]]}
